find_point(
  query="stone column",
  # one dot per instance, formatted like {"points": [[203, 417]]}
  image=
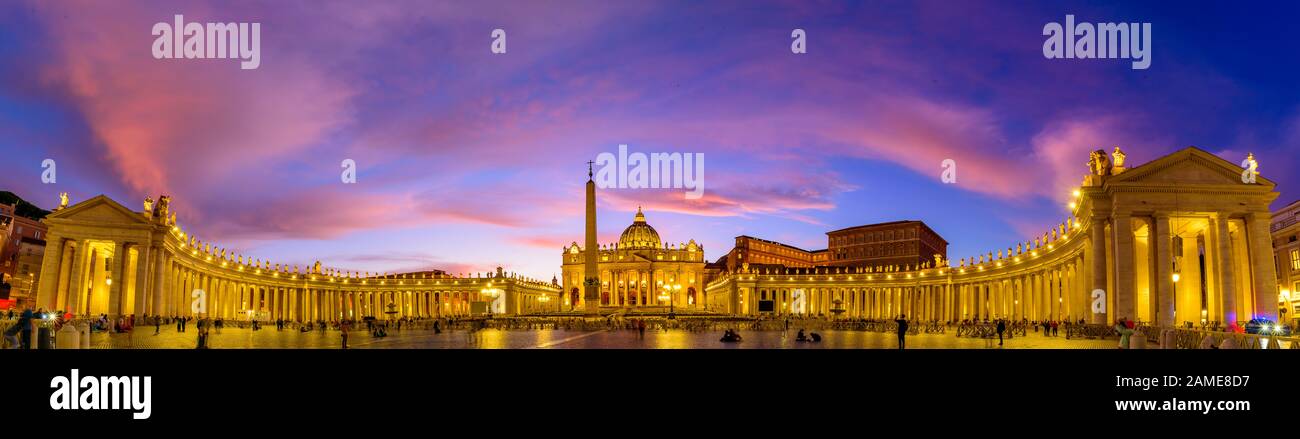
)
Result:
{"points": [[116, 269], [64, 276], [77, 282], [159, 281], [1097, 253], [1050, 289], [141, 282], [1072, 292], [47, 295], [1162, 241], [1227, 270], [1125, 299], [1261, 265]]}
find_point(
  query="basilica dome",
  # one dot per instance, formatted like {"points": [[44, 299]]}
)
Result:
{"points": [[639, 234]]}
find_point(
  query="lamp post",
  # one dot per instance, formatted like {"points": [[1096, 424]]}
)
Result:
{"points": [[670, 291]]}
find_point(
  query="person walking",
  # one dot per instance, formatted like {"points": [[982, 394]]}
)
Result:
{"points": [[25, 328], [203, 335], [157, 324], [343, 328], [1002, 327], [902, 329], [1121, 326]]}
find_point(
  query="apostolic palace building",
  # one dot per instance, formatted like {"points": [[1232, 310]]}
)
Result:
{"points": [[1179, 239]]}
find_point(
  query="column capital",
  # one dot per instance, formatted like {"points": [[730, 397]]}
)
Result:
{"points": [[1260, 216]]}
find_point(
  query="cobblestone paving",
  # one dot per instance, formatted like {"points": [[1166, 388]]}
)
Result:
{"points": [[269, 338]]}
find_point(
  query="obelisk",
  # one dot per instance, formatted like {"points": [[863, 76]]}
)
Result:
{"points": [[591, 272]]}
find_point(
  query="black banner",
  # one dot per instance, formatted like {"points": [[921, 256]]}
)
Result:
{"points": [[188, 388]]}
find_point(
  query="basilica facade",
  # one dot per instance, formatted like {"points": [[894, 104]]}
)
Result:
{"points": [[639, 272]]}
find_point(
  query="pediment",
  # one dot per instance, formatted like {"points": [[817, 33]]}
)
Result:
{"points": [[99, 210], [1190, 166]]}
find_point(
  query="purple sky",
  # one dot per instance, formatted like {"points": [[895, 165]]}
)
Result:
{"points": [[469, 160]]}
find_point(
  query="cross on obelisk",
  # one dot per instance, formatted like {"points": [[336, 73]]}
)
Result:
{"points": [[589, 174]]}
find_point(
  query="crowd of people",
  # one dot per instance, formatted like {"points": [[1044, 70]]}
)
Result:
{"points": [[19, 326]]}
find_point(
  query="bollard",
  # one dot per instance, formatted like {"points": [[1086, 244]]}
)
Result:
{"points": [[44, 337], [1137, 341], [68, 338], [85, 335], [1228, 343]]}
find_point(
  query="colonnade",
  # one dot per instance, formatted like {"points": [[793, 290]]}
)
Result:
{"points": [[1180, 240], [102, 258], [1040, 292]]}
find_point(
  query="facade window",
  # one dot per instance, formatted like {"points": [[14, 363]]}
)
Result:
{"points": [[1295, 259]]}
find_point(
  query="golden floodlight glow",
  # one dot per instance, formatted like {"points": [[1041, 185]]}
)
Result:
{"points": [[1076, 193], [1073, 205]]}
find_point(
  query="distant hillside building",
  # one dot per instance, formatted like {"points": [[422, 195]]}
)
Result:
{"points": [[22, 245]]}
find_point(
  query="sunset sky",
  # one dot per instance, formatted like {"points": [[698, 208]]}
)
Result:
{"points": [[469, 160]]}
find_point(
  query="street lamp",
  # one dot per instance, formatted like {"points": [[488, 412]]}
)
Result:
{"points": [[670, 291]]}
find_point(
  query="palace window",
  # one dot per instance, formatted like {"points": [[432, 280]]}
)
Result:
{"points": [[1295, 259]]}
